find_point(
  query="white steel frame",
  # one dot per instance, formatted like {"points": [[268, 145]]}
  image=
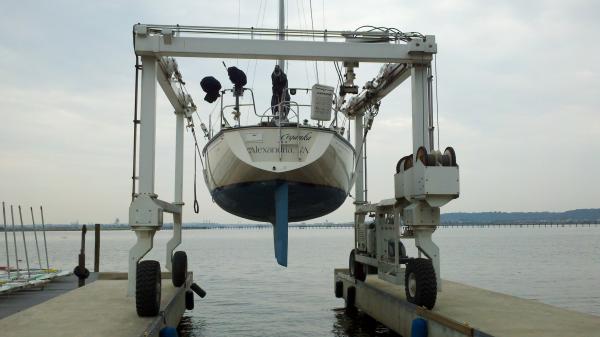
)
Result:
{"points": [[157, 44]]}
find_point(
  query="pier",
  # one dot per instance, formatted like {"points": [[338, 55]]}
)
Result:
{"points": [[100, 308], [462, 310]]}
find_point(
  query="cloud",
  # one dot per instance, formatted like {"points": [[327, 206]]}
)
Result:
{"points": [[518, 100]]}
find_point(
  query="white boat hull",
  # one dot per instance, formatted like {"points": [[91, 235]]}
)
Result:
{"points": [[245, 165]]}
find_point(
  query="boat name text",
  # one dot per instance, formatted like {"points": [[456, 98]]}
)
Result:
{"points": [[286, 137]]}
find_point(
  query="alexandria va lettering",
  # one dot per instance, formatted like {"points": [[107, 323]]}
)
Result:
{"points": [[275, 149]]}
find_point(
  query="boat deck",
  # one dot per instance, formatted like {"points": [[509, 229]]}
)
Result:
{"points": [[100, 308], [462, 310]]}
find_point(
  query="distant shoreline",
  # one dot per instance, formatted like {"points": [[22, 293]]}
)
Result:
{"points": [[103, 227], [575, 217]]}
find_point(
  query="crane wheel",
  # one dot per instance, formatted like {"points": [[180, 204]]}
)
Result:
{"points": [[179, 269], [357, 269], [147, 288], [420, 283], [189, 300]]}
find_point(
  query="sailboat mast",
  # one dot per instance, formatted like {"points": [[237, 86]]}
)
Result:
{"points": [[281, 62]]}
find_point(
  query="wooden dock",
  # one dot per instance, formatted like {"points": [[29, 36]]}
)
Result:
{"points": [[463, 310], [100, 308]]}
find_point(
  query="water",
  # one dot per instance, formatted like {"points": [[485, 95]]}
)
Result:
{"points": [[249, 295]]}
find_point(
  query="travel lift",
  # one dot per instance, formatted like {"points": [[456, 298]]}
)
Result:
{"points": [[425, 180]]}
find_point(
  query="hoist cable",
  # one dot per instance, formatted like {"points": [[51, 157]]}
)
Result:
{"points": [[196, 154], [136, 121], [437, 110], [196, 205]]}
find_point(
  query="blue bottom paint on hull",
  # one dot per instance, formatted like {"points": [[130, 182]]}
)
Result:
{"points": [[256, 200], [279, 202]]}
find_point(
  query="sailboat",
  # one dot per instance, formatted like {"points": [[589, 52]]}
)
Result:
{"points": [[285, 168]]}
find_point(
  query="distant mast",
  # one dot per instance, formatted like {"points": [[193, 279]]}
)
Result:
{"points": [[280, 62]]}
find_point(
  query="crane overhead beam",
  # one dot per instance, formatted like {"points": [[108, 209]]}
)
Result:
{"points": [[172, 84], [167, 43], [390, 77]]}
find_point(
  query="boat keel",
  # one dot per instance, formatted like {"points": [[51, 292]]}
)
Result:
{"points": [[280, 226]]}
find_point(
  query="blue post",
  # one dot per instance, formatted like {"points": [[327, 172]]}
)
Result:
{"points": [[168, 331], [280, 227], [418, 328]]}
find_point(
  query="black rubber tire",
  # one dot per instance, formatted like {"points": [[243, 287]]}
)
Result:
{"points": [[357, 269], [339, 289], [189, 300], [350, 297], [147, 288], [179, 268], [426, 284], [402, 249]]}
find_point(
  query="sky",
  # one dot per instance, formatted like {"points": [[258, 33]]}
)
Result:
{"points": [[518, 81]]}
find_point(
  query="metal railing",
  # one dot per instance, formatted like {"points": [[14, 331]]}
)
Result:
{"points": [[269, 117]]}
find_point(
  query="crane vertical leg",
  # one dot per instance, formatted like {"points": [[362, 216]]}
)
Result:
{"points": [[145, 224], [174, 241], [178, 200], [359, 186], [420, 106], [142, 246], [425, 245]]}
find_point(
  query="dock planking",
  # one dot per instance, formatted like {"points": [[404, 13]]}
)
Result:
{"points": [[100, 308], [462, 310]]}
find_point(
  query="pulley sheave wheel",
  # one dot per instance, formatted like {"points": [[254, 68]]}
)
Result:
{"points": [[357, 269], [179, 269], [420, 284], [147, 288], [401, 163], [450, 155], [422, 155], [408, 162]]}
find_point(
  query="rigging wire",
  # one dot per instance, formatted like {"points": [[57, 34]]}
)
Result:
{"points": [[323, 6], [312, 25], [287, 25], [338, 69], [258, 19], [239, 6], [302, 27], [260, 4], [323, 16]]}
